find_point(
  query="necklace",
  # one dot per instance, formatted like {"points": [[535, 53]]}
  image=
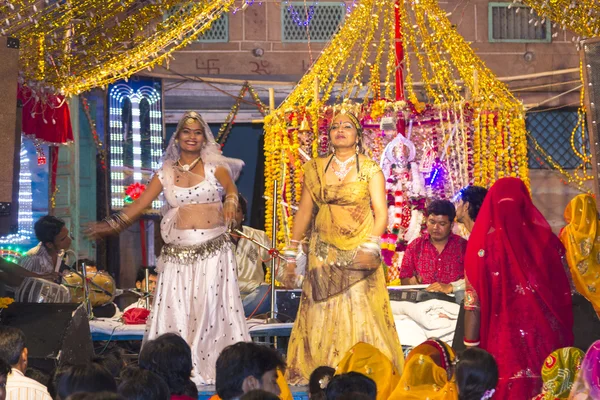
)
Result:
{"points": [[344, 167], [189, 167]]}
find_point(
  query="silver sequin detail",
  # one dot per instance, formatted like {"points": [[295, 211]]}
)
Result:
{"points": [[187, 255]]}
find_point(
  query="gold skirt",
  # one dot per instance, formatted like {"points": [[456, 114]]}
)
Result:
{"points": [[325, 330]]}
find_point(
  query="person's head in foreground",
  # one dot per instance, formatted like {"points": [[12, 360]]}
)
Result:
{"points": [[352, 382], [476, 375], [141, 384], [247, 366], [587, 382], [258, 394], [317, 384], [170, 357], [4, 371], [12, 347], [90, 378]]}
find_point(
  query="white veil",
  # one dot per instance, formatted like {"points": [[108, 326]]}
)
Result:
{"points": [[211, 152]]}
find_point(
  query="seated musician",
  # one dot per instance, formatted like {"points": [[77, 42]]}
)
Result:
{"points": [[140, 285], [250, 269], [438, 256], [47, 256]]}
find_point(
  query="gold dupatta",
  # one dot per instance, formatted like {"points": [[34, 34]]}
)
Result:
{"points": [[344, 220], [369, 361], [581, 239], [428, 373]]}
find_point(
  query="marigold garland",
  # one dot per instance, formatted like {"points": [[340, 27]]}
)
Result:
{"points": [[490, 143]]}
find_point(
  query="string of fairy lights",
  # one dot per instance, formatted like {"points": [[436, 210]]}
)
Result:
{"points": [[71, 47]]}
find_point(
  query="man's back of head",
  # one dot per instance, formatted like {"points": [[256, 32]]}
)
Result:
{"points": [[247, 366], [12, 345], [352, 382], [170, 357]]}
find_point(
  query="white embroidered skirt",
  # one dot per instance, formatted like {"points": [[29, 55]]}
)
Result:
{"points": [[197, 297]]}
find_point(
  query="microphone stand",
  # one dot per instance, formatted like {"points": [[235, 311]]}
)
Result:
{"points": [[147, 287], [273, 320], [86, 291], [272, 252]]}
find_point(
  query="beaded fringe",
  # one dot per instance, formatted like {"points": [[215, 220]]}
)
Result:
{"points": [[190, 254]]}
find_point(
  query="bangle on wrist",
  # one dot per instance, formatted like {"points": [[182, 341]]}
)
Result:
{"points": [[289, 254], [471, 343], [370, 246], [374, 239]]}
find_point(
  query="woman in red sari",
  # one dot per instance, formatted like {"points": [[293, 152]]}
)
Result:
{"points": [[518, 298]]}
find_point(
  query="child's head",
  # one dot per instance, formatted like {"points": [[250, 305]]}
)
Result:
{"points": [[476, 374]]}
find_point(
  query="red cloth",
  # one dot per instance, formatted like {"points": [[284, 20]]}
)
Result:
{"points": [[48, 120], [422, 258], [513, 263], [135, 316]]}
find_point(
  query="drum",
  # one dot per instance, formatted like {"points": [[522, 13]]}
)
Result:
{"points": [[102, 287], [36, 290]]}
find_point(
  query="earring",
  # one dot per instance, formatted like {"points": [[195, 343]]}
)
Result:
{"points": [[331, 149], [357, 148], [176, 141]]}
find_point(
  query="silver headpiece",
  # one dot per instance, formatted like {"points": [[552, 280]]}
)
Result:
{"points": [[211, 151]]}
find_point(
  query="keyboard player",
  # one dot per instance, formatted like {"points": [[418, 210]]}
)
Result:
{"points": [[437, 257]]}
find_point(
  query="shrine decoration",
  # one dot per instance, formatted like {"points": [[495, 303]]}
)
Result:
{"points": [[434, 117]]}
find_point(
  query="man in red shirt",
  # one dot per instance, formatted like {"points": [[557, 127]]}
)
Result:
{"points": [[436, 257]]}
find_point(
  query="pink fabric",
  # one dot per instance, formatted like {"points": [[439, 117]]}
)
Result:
{"points": [[514, 265], [422, 258]]}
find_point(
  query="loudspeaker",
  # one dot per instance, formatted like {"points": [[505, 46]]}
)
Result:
{"points": [[286, 304], [56, 334], [10, 135]]}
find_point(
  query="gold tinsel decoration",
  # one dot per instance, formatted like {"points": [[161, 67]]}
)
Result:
{"points": [[68, 47], [579, 16], [361, 59]]}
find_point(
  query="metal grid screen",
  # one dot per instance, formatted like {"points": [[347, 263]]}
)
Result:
{"points": [[217, 33], [319, 21], [552, 130], [512, 24]]}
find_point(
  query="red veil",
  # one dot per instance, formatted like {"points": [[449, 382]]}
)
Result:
{"points": [[513, 262]]}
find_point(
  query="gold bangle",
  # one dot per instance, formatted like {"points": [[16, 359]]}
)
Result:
{"points": [[124, 217], [113, 224]]}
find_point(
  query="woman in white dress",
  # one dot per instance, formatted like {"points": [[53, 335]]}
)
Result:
{"points": [[197, 293]]}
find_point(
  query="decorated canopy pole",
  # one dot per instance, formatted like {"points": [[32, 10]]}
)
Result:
{"points": [[465, 127]]}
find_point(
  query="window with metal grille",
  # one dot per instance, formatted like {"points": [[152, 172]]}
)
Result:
{"points": [[217, 33], [317, 22], [509, 22], [552, 130]]}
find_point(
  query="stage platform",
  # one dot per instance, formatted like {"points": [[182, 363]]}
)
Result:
{"points": [[106, 329], [298, 392]]}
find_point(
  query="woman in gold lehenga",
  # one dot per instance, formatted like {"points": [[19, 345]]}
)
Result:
{"points": [[344, 298]]}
